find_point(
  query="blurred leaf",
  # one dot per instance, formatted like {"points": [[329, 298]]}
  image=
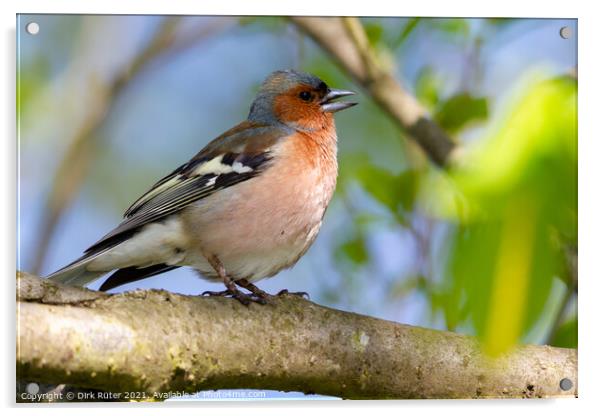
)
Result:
{"points": [[396, 192], [365, 219], [510, 279], [382, 185], [501, 21], [472, 261], [374, 32], [355, 250], [566, 335], [409, 27], [459, 110], [264, 23], [452, 26], [534, 150], [427, 87], [31, 81], [521, 185], [441, 197], [408, 181]]}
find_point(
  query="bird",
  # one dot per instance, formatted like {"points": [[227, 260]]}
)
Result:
{"points": [[246, 206]]}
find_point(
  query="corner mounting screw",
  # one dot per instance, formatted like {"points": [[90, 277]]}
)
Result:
{"points": [[566, 384]]}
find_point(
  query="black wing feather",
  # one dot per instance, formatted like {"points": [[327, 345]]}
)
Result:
{"points": [[186, 190], [133, 274]]}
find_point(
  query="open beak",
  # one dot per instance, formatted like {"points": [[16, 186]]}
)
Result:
{"points": [[329, 106]]}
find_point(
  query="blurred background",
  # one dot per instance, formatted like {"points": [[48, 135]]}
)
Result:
{"points": [[108, 105]]}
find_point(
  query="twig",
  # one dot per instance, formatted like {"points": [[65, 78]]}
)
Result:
{"points": [[346, 41]]}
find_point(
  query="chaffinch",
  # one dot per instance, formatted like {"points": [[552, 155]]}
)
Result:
{"points": [[246, 206]]}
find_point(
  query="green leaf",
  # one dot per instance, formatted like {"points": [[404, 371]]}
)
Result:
{"points": [[459, 110], [566, 335], [406, 31], [521, 188], [374, 32], [382, 185], [408, 182], [355, 250], [264, 23], [427, 87], [31, 80], [501, 21], [396, 192], [473, 251], [457, 27]]}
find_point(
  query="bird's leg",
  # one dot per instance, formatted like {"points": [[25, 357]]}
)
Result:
{"points": [[231, 289], [284, 292], [252, 288]]}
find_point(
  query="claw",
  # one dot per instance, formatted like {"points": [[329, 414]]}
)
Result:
{"points": [[238, 295], [247, 299], [220, 293], [244, 299]]}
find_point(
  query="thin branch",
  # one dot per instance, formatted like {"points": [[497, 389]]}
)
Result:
{"points": [[156, 341], [346, 41]]}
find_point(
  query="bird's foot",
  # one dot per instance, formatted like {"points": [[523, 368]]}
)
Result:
{"points": [[285, 292], [234, 293]]}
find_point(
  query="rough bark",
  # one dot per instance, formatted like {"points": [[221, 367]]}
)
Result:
{"points": [[345, 40], [155, 341]]}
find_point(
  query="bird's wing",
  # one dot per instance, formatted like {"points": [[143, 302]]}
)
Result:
{"points": [[238, 155]]}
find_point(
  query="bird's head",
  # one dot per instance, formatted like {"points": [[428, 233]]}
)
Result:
{"points": [[300, 100]]}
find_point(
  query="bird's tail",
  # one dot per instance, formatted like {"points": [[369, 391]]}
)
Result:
{"points": [[77, 273]]}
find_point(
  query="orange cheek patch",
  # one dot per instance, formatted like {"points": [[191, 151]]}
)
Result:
{"points": [[290, 108]]}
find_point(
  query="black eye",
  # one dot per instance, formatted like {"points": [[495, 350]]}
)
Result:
{"points": [[305, 95]]}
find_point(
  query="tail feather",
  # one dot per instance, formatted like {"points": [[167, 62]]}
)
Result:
{"points": [[131, 253], [76, 276], [77, 273]]}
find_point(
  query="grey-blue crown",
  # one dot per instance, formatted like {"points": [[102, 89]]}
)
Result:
{"points": [[283, 80], [276, 83]]}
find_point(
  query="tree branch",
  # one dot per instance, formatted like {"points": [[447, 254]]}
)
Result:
{"points": [[156, 341], [345, 40]]}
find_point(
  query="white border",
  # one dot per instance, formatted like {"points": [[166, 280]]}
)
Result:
{"points": [[590, 207]]}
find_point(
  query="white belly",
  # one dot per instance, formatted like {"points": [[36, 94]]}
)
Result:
{"points": [[257, 263], [250, 242]]}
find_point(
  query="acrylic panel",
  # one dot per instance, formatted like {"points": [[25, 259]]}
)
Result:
{"points": [[445, 262]]}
